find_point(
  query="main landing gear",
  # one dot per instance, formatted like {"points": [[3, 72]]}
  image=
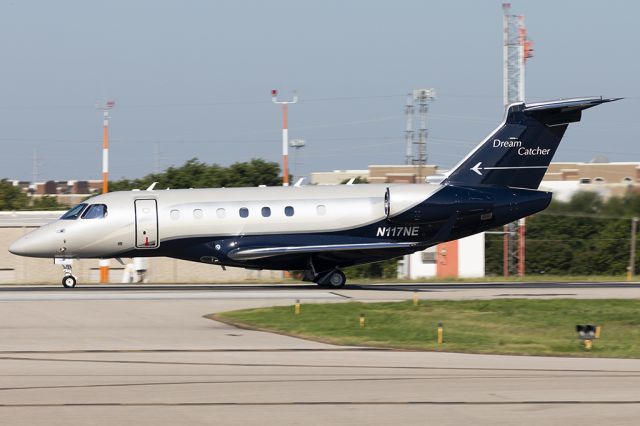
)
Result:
{"points": [[332, 279]]}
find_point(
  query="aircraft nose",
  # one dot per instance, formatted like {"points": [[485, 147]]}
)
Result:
{"points": [[41, 242], [21, 247]]}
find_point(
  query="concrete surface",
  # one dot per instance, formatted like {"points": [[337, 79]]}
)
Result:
{"points": [[118, 356]]}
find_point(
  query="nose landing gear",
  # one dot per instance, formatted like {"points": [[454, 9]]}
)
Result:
{"points": [[68, 281]]}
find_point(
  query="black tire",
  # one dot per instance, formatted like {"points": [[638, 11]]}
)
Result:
{"points": [[69, 281], [335, 279]]}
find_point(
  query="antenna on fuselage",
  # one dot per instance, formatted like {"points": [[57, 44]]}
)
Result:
{"points": [[153, 185], [299, 182]]}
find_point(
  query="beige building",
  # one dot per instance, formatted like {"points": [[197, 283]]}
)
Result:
{"points": [[605, 178], [563, 178], [377, 174], [68, 192], [586, 173], [337, 176], [25, 270]]}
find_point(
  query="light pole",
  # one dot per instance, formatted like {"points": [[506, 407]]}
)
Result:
{"points": [[105, 107], [285, 133], [296, 144]]}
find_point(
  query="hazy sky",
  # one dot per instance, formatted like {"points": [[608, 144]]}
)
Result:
{"points": [[193, 79]]}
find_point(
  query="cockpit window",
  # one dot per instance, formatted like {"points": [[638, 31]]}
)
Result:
{"points": [[74, 213], [95, 211]]}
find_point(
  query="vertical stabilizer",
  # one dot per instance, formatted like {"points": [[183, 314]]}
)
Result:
{"points": [[519, 151]]}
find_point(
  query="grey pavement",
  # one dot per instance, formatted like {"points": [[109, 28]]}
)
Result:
{"points": [[150, 357]]}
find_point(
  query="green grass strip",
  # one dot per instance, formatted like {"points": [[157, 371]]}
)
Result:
{"points": [[509, 326]]}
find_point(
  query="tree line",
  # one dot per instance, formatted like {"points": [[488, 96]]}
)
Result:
{"points": [[584, 236], [13, 198], [197, 174]]}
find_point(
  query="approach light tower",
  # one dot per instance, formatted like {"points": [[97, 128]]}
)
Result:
{"points": [[422, 97], [516, 50], [285, 133], [408, 132], [105, 107]]}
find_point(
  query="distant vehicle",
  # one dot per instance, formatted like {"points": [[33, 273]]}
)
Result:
{"points": [[320, 229]]}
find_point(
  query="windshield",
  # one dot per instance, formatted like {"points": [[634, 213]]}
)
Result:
{"points": [[74, 213], [95, 211]]}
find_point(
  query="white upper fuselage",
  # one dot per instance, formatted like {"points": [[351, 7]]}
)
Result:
{"points": [[188, 213]]}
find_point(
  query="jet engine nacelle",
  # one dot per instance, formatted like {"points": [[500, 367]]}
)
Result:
{"points": [[419, 204], [489, 206]]}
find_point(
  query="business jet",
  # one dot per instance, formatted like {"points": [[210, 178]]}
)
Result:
{"points": [[320, 229]]}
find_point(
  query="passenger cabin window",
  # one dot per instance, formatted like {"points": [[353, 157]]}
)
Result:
{"points": [[288, 211], [95, 211], [266, 212], [221, 213], [74, 213], [197, 214], [175, 214], [321, 209], [244, 212]]}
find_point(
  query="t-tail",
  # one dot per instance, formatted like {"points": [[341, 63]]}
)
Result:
{"points": [[518, 152]]}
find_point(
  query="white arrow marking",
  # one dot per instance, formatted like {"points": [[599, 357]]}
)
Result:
{"points": [[477, 168]]}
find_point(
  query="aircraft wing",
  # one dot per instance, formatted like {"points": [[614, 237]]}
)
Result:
{"points": [[262, 252]]}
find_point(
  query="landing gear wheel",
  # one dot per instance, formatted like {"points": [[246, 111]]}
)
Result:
{"points": [[69, 281], [334, 279]]}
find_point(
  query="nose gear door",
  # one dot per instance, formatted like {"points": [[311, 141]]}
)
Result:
{"points": [[146, 224]]}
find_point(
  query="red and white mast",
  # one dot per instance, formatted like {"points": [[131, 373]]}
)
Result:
{"points": [[285, 133], [104, 263]]}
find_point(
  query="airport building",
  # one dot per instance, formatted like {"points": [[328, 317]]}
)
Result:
{"points": [[68, 192], [377, 174], [463, 258], [605, 178], [564, 179]]}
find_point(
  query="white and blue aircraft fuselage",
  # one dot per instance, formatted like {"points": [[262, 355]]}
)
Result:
{"points": [[320, 229]]}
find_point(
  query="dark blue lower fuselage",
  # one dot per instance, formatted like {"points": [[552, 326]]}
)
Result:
{"points": [[451, 213]]}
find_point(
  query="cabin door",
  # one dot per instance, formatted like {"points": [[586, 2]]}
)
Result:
{"points": [[146, 224]]}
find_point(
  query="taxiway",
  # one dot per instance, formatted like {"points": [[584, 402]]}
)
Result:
{"points": [[148, 356]]}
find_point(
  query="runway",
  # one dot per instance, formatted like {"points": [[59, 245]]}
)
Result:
{"points": [[309, 292], [382, 286], [148, 356]]}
